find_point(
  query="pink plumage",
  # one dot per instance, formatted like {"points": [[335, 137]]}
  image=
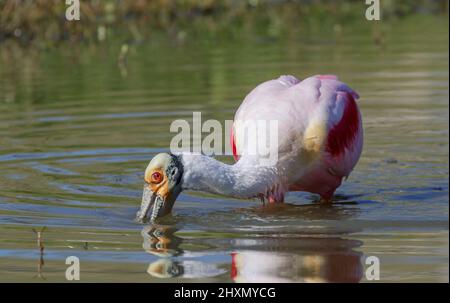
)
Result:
{"points": [[320, 132]]}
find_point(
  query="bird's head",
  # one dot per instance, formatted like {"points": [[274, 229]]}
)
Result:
{"points": [[161, 188]]}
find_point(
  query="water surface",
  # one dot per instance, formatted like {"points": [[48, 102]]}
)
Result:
{"points": [[77, 131]]}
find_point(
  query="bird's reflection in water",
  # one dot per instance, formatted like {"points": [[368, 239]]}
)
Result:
{"points": [[307, 245], [296, 260], [163, 243], [291, 249], [159, 240], [168, 268]]}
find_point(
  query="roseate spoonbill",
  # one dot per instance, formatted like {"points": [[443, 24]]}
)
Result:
{"points": [[320, 138]]}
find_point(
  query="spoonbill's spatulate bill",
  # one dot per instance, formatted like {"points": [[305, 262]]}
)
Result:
{"points": [[320, 138]]}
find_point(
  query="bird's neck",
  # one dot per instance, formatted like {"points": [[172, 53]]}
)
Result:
{"points": [[244, 179]]}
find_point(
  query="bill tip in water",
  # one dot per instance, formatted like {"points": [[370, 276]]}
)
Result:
{"points": [[140, 218]]}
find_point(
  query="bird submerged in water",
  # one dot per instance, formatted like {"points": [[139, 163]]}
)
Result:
{"points": [[320, 139]]}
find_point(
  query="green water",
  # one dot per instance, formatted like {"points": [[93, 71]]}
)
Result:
{"points": [[77, 130]]}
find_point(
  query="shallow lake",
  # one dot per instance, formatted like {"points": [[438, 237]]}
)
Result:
{"points": [[77, 130]]}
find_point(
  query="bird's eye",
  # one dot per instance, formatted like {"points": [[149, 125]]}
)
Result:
{"points": [[156, 177]]}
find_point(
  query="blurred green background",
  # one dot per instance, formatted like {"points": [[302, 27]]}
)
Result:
{"points": [[43, 22]]}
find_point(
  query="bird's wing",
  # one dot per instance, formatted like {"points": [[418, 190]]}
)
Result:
{"points": [[267, 102], [345, 134], [333, 133]]}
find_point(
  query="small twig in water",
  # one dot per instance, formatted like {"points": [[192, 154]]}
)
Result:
{"points": [[40, 244]]}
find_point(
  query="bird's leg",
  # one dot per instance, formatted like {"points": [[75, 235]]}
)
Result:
{"points": [[325, 201], [275, 195], [261, 198], [326, 198]]}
